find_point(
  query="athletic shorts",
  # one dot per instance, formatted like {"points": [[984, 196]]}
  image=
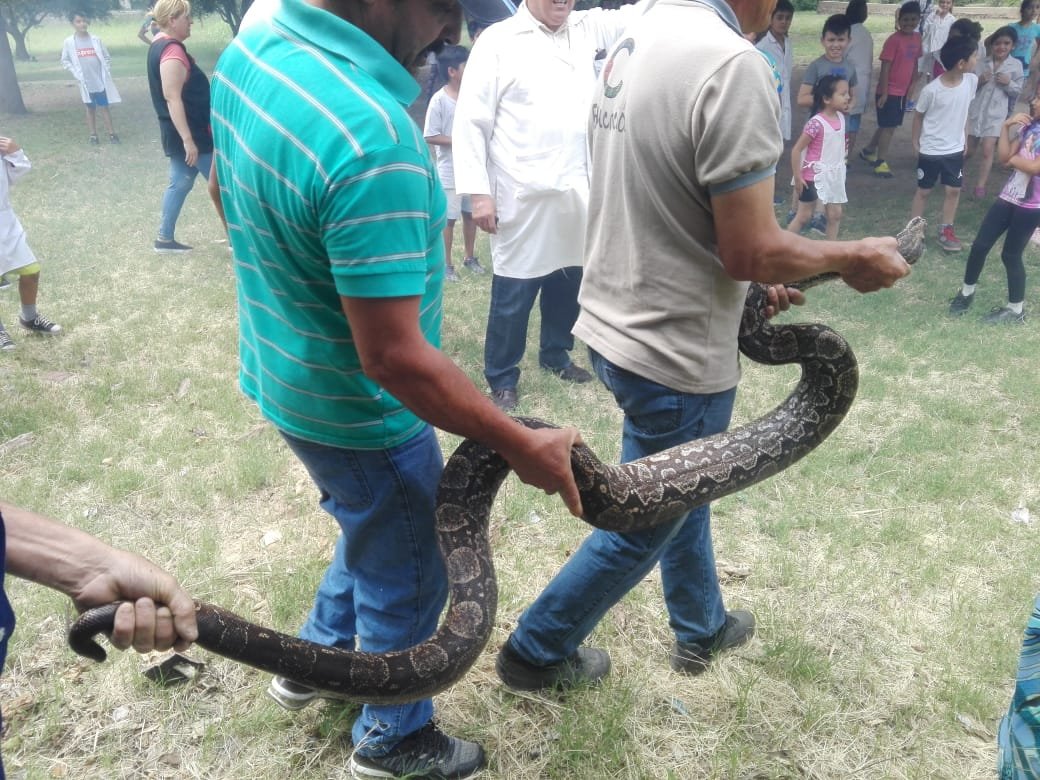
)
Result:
{"points": [[891, 113], [809, 194], [98, 100], [948, 168], [852, 123]]}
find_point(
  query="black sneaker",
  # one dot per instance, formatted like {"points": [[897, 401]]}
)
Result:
{"points": [[505, 399], [171, 247], [94, 140], [474, 266], [571, 373], [428, 753], [5, 340], [587, 665], [40, 325], [1004, 314], [694, 657], [113, 138], [960, 304]]}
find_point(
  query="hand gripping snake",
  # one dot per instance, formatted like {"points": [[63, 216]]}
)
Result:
{"points": [[628, 497]]}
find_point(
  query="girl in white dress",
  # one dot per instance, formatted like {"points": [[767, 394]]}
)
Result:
{"points": [[821, 172]]}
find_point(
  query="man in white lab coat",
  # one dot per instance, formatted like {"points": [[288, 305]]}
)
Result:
{"points": [[519, 150]]}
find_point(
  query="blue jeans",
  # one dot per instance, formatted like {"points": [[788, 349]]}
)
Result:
{"points": [[182, 179], [386, 583], [508, 314], [609, 564]]}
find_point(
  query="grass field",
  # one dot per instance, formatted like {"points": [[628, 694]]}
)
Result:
{"points": [[890, 583]]}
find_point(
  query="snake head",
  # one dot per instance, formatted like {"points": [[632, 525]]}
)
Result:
{"points": [[910, 240]]}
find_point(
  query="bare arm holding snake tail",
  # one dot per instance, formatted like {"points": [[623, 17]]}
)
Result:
{"points": [[156, 613], [753, 246]]}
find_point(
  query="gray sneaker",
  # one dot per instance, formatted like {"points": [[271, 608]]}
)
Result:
{"points": [[474, 266], [694, 657], [1004, 314], [293, 696], [587, 665], [960, 304], [171, 247], [5, 340], [428, 753]]}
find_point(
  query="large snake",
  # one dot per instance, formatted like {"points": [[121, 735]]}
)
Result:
{"points": [[628, 497]]}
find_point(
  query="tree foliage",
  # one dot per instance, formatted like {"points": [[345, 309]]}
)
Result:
{"points": [[231, 11]]}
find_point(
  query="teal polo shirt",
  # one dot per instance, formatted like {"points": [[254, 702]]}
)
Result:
{"points": [[329, 190]]}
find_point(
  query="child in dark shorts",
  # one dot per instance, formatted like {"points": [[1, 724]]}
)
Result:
{"points": [[898, 68], [938, 133]]}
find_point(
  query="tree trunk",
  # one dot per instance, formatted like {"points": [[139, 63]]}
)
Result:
{"points": [[21, 53], [10, 93]]}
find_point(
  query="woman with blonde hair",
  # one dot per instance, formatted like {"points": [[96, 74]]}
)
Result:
{"points": [[180, 95]]}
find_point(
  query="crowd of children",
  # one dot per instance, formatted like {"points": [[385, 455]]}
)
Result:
{"points": [[960, 89]]}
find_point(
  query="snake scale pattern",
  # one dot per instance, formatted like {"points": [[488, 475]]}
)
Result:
{"points": [[627, 497]]}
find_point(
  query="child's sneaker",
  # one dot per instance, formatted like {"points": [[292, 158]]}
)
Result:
{"points": [[948, 240], [910, 106], [40, 325], [960, 304], [113, 138], [94, 140], [450, 274], [819, 223], [882, 170], [867, 156], [5, 340], [1004, 314], [473, 264]]}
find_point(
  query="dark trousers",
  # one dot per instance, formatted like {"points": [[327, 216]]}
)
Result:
{"points": [[1019, 224], [508, 315]]}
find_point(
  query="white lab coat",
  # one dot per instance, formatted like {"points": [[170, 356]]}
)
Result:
{"points": [[14, 250], [70, 61], [520, 133]]}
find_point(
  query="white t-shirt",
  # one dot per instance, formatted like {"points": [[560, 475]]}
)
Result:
{"points": [[945, 112], [440, 116]]}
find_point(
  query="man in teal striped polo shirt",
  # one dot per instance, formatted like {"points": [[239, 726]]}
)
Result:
{"points": [[335, 216]]}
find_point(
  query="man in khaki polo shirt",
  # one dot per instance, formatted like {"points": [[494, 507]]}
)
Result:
{"points": [[684, 136]]}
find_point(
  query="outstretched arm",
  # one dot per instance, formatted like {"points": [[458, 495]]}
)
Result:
{"points": [[753, 246], [91, 573]]}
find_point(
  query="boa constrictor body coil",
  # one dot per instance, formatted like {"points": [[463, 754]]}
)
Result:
{"points": [[628, 497]]}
